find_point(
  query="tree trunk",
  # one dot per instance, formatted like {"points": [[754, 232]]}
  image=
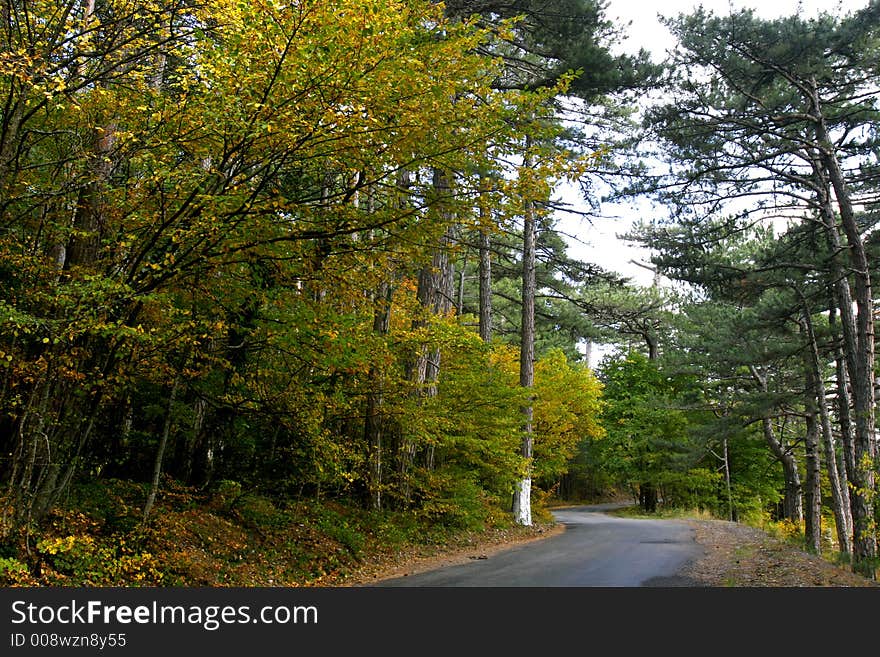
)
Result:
{"points": [[731, 512], [160, 452], [88, 218], [812, 483], [648, 497], [459, 304], [435, 293], [522, 505], [187, 450], [845, 454], [373, 421], [846, 355], [812, 498], [843, 411], [841, 519], [485, 269], [653, 349], [793, 494], [862, 375]]}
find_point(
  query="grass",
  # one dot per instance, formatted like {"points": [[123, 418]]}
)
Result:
{"points": [[665, 513]]}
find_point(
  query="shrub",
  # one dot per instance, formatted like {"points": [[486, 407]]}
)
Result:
{"points": [[14, 573], [82, 561]]}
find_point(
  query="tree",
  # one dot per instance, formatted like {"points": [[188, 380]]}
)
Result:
{"points": [[766, 114], [568, 405], [647, 444], [214, 232], [545, 44]]}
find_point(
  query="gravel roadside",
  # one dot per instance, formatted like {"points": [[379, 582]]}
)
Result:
{"points": [[742, 556]]}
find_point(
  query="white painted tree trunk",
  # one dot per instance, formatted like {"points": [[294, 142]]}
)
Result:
{"points": [[522, 505], [522, 502]]}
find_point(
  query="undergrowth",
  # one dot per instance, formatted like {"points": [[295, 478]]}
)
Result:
{"points": [[225, 537]]}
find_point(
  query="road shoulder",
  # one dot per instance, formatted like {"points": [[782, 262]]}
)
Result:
{"points": [[737, 555]]}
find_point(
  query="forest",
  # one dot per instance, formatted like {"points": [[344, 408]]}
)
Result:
{"points": [[297, 266]]}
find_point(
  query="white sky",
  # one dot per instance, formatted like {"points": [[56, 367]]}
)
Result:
{"points": [[597, 242], [647, 32]]}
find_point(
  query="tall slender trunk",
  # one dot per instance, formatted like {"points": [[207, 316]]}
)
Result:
{"points": [[459, 304], [812, 466], [792, 503], [844, 465], [649, 496], [843, 405], [160, 452], [841, 519], [373, 421], [522, 506], [731, 511], [862, 374], [485, 267], [186, 455]]}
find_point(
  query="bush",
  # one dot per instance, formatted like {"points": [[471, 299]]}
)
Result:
{"points": [[457, 501], [340, 529], [14, 573], [83, 561]]}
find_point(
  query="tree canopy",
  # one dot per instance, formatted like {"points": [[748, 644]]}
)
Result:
{"points": [[309, 251]]}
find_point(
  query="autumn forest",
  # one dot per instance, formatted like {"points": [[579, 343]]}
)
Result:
{"points": [[284, 275]]}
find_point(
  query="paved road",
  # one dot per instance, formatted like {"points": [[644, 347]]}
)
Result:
{"points": [[595, 550]]}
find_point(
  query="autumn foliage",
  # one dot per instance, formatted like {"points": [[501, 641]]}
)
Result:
{"points": [[214, 218]]}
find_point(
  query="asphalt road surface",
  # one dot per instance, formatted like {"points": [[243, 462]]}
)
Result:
{"points": [[595, 550]]}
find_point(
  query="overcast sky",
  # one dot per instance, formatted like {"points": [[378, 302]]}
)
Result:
{"points": [[597, 242], [647, 32]]}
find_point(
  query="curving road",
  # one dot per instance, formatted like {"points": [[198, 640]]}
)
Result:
{"points": [[595, 550]]}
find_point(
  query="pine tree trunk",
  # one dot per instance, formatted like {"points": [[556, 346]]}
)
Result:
{"points": [[812, 481], [731, 511], [843, 408], [485, 269], [862, 374], [436, 292], [841, 519], [522, 505], [793, 493], [812, 490]]}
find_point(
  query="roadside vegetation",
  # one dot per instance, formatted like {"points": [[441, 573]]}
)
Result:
{"points": [[283, 287], [233, 537]]}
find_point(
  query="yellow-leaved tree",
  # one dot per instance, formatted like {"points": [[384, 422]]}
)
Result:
{"points": [[213, 213]]}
